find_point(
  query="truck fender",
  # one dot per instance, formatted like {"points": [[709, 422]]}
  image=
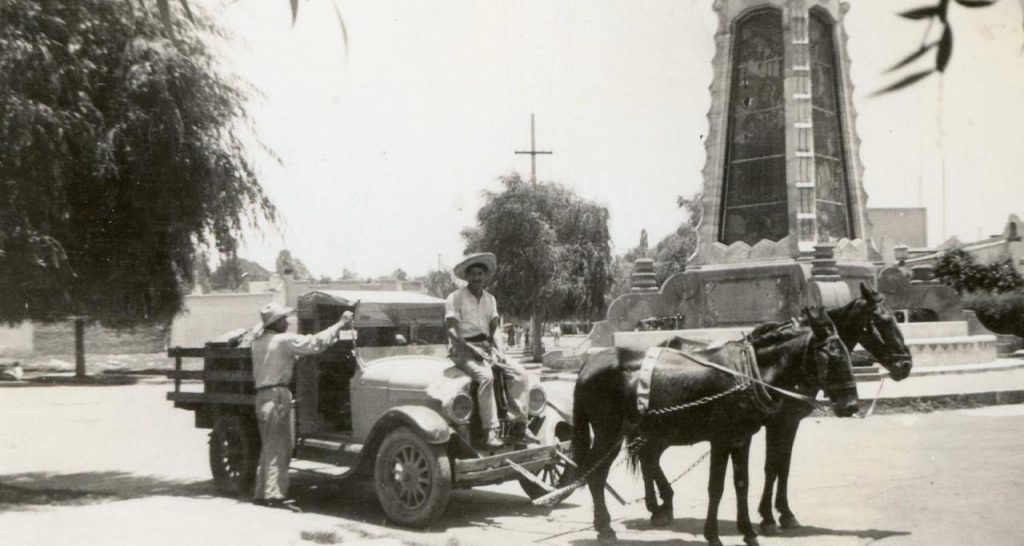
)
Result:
{"points": [[425, 421], [422, 420], [560, 398], [551, 424]]}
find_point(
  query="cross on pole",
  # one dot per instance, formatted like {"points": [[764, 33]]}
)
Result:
{"points": [[533, 152]]}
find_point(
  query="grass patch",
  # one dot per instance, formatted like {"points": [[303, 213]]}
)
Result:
{"points": [[320, 537]]}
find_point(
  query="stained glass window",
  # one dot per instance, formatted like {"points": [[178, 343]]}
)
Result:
{"points": [[754, 192], [830, 178]]}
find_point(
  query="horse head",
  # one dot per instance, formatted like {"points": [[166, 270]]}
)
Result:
{"points": [[878, 332], [827, 364]]}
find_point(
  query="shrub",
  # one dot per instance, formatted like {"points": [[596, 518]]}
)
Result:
{"points": [[1003, 313], [959, 270]]}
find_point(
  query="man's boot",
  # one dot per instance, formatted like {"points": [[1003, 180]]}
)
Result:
{"points": [[493, 441]]}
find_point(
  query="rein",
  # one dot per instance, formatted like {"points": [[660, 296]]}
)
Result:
{"points": [[784, 392]]}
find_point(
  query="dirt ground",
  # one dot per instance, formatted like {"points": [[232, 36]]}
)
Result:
{"points": [[119, 465]]}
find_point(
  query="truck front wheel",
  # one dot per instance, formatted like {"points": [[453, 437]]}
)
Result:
{"points": [[234, 454], [413, 478]]}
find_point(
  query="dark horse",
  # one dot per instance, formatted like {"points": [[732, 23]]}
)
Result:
{"points": [[690, 399], [865, 320]]}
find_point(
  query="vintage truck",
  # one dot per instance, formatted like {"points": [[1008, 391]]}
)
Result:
{"points": [[385, 404]]}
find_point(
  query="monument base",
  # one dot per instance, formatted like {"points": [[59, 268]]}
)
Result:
{"points": [[743, 294]]}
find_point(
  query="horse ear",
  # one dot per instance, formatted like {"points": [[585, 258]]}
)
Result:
{"points": [[867, 293], [807, 313]]}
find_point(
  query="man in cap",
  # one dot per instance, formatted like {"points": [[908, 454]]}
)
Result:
{"points": [[274, 352], [471, 318]]}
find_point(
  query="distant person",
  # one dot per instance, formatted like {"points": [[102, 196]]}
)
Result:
{"points": [[273, 362], [556, 332], [471, 318]]}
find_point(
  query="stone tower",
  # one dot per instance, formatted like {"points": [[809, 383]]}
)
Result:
{"points": [[783, 169], [784, 222]]}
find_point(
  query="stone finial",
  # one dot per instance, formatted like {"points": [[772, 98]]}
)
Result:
{"points": [[643, 278], [823, 265]]}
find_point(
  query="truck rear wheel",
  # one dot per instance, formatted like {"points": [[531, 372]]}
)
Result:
{"points": [[413, 478], [234, 454]]}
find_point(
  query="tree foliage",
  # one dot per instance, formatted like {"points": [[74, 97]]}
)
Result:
{"points": [[958, 269], [552, 246], [287, 264], [123, 152], [234, 274], [439, 283]]}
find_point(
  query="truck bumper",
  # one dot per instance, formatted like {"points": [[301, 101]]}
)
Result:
{"points": [[495, 468]]}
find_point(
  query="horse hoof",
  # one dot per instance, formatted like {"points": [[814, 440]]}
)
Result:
{"points": [[769, 528], [751, 541], [714, 541], [789, 522], [662, 517], [607, 537]]}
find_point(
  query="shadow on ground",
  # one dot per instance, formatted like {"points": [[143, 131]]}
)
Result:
{"points": [[695, 526], [35, 490], [357, 500]]}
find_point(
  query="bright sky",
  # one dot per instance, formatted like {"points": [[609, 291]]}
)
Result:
{"points": [[387, 147]]}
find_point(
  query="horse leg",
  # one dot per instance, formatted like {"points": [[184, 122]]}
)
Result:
{"points": [[741, 481], [664, 515], [773, 437], [650, 463], [603, 442], [650, 497], [716, 485], [786, 518]]}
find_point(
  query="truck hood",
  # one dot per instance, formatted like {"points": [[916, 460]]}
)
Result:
{"points": [[436, 376]]}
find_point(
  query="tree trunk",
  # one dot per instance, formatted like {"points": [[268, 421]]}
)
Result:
{"points": [[79, 347], [536, 346]]}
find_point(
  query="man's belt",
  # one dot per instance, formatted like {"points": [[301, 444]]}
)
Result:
{"points": [[271, 387]]}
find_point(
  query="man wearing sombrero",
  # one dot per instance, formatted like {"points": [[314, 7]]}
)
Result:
{"points": [[471, 318], [273, 361]]}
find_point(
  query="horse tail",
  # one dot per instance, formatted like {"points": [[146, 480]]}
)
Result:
{"points": [[634, 444]]}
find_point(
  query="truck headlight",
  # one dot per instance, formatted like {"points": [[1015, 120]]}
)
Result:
{"points": [[460, 408], [538, 399]]}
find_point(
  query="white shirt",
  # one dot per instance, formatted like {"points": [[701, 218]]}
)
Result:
{"points": [[474, 315]]}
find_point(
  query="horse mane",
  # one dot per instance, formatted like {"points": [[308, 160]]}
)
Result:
{"points": [[773, 333]]}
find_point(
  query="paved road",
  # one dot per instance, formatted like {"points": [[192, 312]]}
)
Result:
{"points": [[118, 465]]}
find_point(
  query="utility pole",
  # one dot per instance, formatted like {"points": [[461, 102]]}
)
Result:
{"points": [[535, 323], [533, 152]]}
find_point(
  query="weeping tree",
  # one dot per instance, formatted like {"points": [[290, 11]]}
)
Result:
{"points": [[552, 246], [123, 153]]}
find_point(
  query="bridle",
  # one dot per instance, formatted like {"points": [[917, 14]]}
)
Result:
{"points": [[821, 365]]}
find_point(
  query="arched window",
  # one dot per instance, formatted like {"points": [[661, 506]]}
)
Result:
{"points": [[830, 175], [754, 192]]}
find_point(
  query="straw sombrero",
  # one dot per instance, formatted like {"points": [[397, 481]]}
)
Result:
{"points": [[485, 259]]}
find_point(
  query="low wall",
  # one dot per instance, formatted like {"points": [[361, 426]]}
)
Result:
{"points": [[16, 340], [58, 338], [206, 316]]}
